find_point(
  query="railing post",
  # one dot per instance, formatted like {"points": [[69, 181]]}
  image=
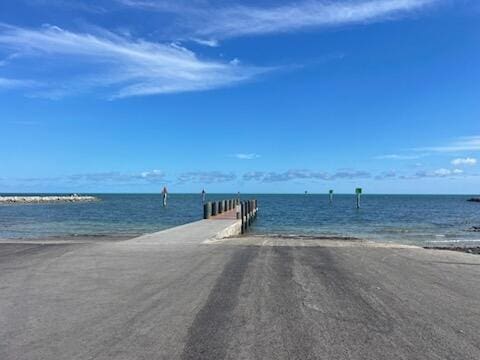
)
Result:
{"points": [[242, 214], [253, 210], [237, 209], [207, 210]]}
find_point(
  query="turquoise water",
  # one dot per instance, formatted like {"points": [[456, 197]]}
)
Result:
{"points": [[411, 219]]}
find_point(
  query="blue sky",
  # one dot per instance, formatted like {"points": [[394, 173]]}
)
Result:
{"points": [[251, 96]]}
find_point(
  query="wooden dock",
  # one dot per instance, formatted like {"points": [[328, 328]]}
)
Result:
{"points": [[244, 211], [229, 220]]}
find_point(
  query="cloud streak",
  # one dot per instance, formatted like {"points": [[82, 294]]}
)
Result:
{"points": [[122, 65], [438, 173], [466, 143], [250, 156], [464, 161], [206, 177], [400, 156], [292, 175], [241, 20], [6, 83], [235, 20]]}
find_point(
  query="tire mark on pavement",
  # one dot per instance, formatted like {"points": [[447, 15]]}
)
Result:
{"points": [[286, 318], [207, 336]]}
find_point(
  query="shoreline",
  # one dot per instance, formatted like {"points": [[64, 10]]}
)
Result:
{"points": [[69, 239], [100, 238], [474, 250]]}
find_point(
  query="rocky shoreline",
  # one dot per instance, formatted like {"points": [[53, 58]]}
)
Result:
{"points": [[44, 199]]}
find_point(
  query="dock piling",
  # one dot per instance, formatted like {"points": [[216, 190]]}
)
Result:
{"points": [[245, 211], [358, 192], [207, 210], [242, 214]]}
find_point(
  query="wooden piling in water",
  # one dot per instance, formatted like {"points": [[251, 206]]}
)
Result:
{"points": [[207, 210], [249, 212]]}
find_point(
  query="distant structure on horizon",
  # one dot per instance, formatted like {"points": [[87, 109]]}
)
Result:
{"points": [[164, 196]]}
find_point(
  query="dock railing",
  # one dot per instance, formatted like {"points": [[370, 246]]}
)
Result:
{"points": [[246, 210]]}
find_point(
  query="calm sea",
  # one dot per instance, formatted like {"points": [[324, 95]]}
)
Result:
{"points": [[408, 219]]}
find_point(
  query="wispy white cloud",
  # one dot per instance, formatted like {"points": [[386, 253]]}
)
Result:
{"points": [[206, 177], [207, 42], [292, 175], [90, 6], [6, 83], [467, 143], [400, 156], [464, 161], [438, 173], [8, 59], [386, 175], [250, 156], [124, 66], [442, 172], [243, 20], [234, 19], [153, 175]]}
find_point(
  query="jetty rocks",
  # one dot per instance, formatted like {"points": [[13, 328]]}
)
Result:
{"points": [[44, 199], [474, 199]]}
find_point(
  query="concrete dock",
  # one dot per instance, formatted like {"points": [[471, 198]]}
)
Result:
{"points": [[185, 293]]}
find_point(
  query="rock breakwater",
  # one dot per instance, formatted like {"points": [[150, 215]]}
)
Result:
{"points": [[44, 199]]}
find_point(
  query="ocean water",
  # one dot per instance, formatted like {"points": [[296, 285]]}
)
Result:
{"points": [[407, 219]]}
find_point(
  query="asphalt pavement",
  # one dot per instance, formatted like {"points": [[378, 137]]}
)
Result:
{"points": [[242, 298]]}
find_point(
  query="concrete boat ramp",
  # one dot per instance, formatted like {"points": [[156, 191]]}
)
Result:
{"points": [[193, 233], [184, 293]]}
